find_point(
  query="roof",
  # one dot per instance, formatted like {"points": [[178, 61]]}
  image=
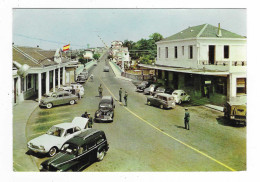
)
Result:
{"points": [[80, 139], [65, 125], [106, 98], [178, 91], [202, 31], [34, 56], [165, 95]]}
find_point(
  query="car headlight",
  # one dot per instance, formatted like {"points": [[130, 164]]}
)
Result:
{"points": [[98, 114], [232, 117], [30, 144], [41, 167], [42, 147], [111, 114]]}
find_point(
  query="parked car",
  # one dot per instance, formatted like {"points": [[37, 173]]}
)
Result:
{"points": [[106, 69], [81, 79], [51, 142], [161, 100], [89, 146], [105, 110], [142, 86], [159, 90], [169, 91], [58, 98], [235, 110], [180, 96], [150, 90], [85, 72]]}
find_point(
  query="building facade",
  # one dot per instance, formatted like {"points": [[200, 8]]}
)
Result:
{"points": [[203, 59]]}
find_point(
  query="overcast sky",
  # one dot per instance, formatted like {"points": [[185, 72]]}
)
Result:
{"points": [[53, 28]]}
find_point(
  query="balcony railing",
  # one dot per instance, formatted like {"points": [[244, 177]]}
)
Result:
{"points": [[224, 63]]}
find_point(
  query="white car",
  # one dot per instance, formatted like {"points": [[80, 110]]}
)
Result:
{"points": [[180, 96], [51, 142]]}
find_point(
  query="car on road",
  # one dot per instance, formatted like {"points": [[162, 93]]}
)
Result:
{"points": [[81, 78], [69, 88], [51, 142], [79, 151], [150, 90], [105, 110], [106, 69], [143, 85], [159, 90], [162, 100], [58, 98], [85, 72], [180, 96]]}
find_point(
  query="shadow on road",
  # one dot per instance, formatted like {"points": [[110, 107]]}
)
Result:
{"points": [[38, 155], [180, 126], [226, 122]]}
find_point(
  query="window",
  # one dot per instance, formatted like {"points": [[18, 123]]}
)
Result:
{"points": [[166, 52], [29, 78], [226, 51], [241, 86], [175, 52], [183, 50], [189, 80], [159, 52], [190, 52]]}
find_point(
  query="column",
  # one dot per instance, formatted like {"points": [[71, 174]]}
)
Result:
{"points": [[53, 80], [39, 87], [58, 77], [63, 76], [47, 81], [18, 85]]}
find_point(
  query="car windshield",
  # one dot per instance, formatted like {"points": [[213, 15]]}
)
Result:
{"points": [[55, 131], [168, 91], [69, 148]]}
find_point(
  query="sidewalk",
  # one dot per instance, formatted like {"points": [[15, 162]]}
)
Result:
{"points": [[117, 72], [21, 114]]}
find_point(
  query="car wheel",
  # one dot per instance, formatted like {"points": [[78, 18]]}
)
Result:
{"points": [[179, 101], [72, 102], [100, 155], [49, 105], [53, 151], [148, 103], [161, 106]]}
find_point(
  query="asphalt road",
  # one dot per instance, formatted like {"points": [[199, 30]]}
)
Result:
{"points": [[147, 138]]}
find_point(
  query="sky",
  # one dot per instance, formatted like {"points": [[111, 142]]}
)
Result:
{"points": [[54, 28]]}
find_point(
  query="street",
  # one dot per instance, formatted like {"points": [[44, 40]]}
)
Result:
{"points": [[147, 138]]}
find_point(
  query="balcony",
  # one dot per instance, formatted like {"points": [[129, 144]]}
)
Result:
{"points": [[231, 66]]}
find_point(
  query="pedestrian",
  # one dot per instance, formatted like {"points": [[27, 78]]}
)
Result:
{"points": [[78, 93], [85, 115], [90, 121], [187, 119], [100, 90], [125, 97], [120, 95]]}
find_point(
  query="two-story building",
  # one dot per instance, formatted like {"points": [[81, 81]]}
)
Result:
{"points": [[201, 58]]}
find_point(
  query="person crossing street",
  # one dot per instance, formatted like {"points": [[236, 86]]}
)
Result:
{"points": [[120, 95], [187, 119], [100, 90], [125, 98]]}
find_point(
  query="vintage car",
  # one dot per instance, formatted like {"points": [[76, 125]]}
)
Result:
{"points": [[105, 110], [70, 88], [51, 142], [150, 90], [81, 78], [161, 100], [180, 96], [79, 151], [85, 72], [235, 110], [159, 90], [58, 98], [106, 69], [169, 91], [142, 86]]}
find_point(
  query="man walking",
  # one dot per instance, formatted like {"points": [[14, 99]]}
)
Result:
{"points": [[125, 97], [120, 95], [100, 90], [187, 119]]}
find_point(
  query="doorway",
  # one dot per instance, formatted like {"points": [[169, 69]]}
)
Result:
{"points": [[211, 54]]}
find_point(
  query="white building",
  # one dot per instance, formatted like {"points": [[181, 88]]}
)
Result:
{"points": [[203, 56], [45, 70], [88, 54]]}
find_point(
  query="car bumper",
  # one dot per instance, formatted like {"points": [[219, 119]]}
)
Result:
{"points": [[43, 105], [104, 119], [139, 90], [42, 151]]}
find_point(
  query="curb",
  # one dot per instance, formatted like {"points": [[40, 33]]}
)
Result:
{"points": [[218, 108]]}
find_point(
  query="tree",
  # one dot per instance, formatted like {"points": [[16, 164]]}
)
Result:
{"points": [[96, 56], [156, 37]]}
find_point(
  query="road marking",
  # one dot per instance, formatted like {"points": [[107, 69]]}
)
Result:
{"points": [[194, 149]]}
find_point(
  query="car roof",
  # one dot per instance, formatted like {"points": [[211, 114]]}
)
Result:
{"points": [[81, 138], [108, 97], [179, 91], [165, 95]]}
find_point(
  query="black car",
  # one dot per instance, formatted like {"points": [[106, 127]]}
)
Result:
{"points": [[169, 91], [105, 110], [78, 152], [142, 86], [81, 78]]}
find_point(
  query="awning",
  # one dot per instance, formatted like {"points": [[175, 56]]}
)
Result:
{"points": [[185, 70]]}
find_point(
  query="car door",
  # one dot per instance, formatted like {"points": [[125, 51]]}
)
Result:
{"points": [[66, 98], [69, 133], [157, 101], [58, 99]]}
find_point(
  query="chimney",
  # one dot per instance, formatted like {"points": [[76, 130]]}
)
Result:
{"points": [[219, 34]]}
